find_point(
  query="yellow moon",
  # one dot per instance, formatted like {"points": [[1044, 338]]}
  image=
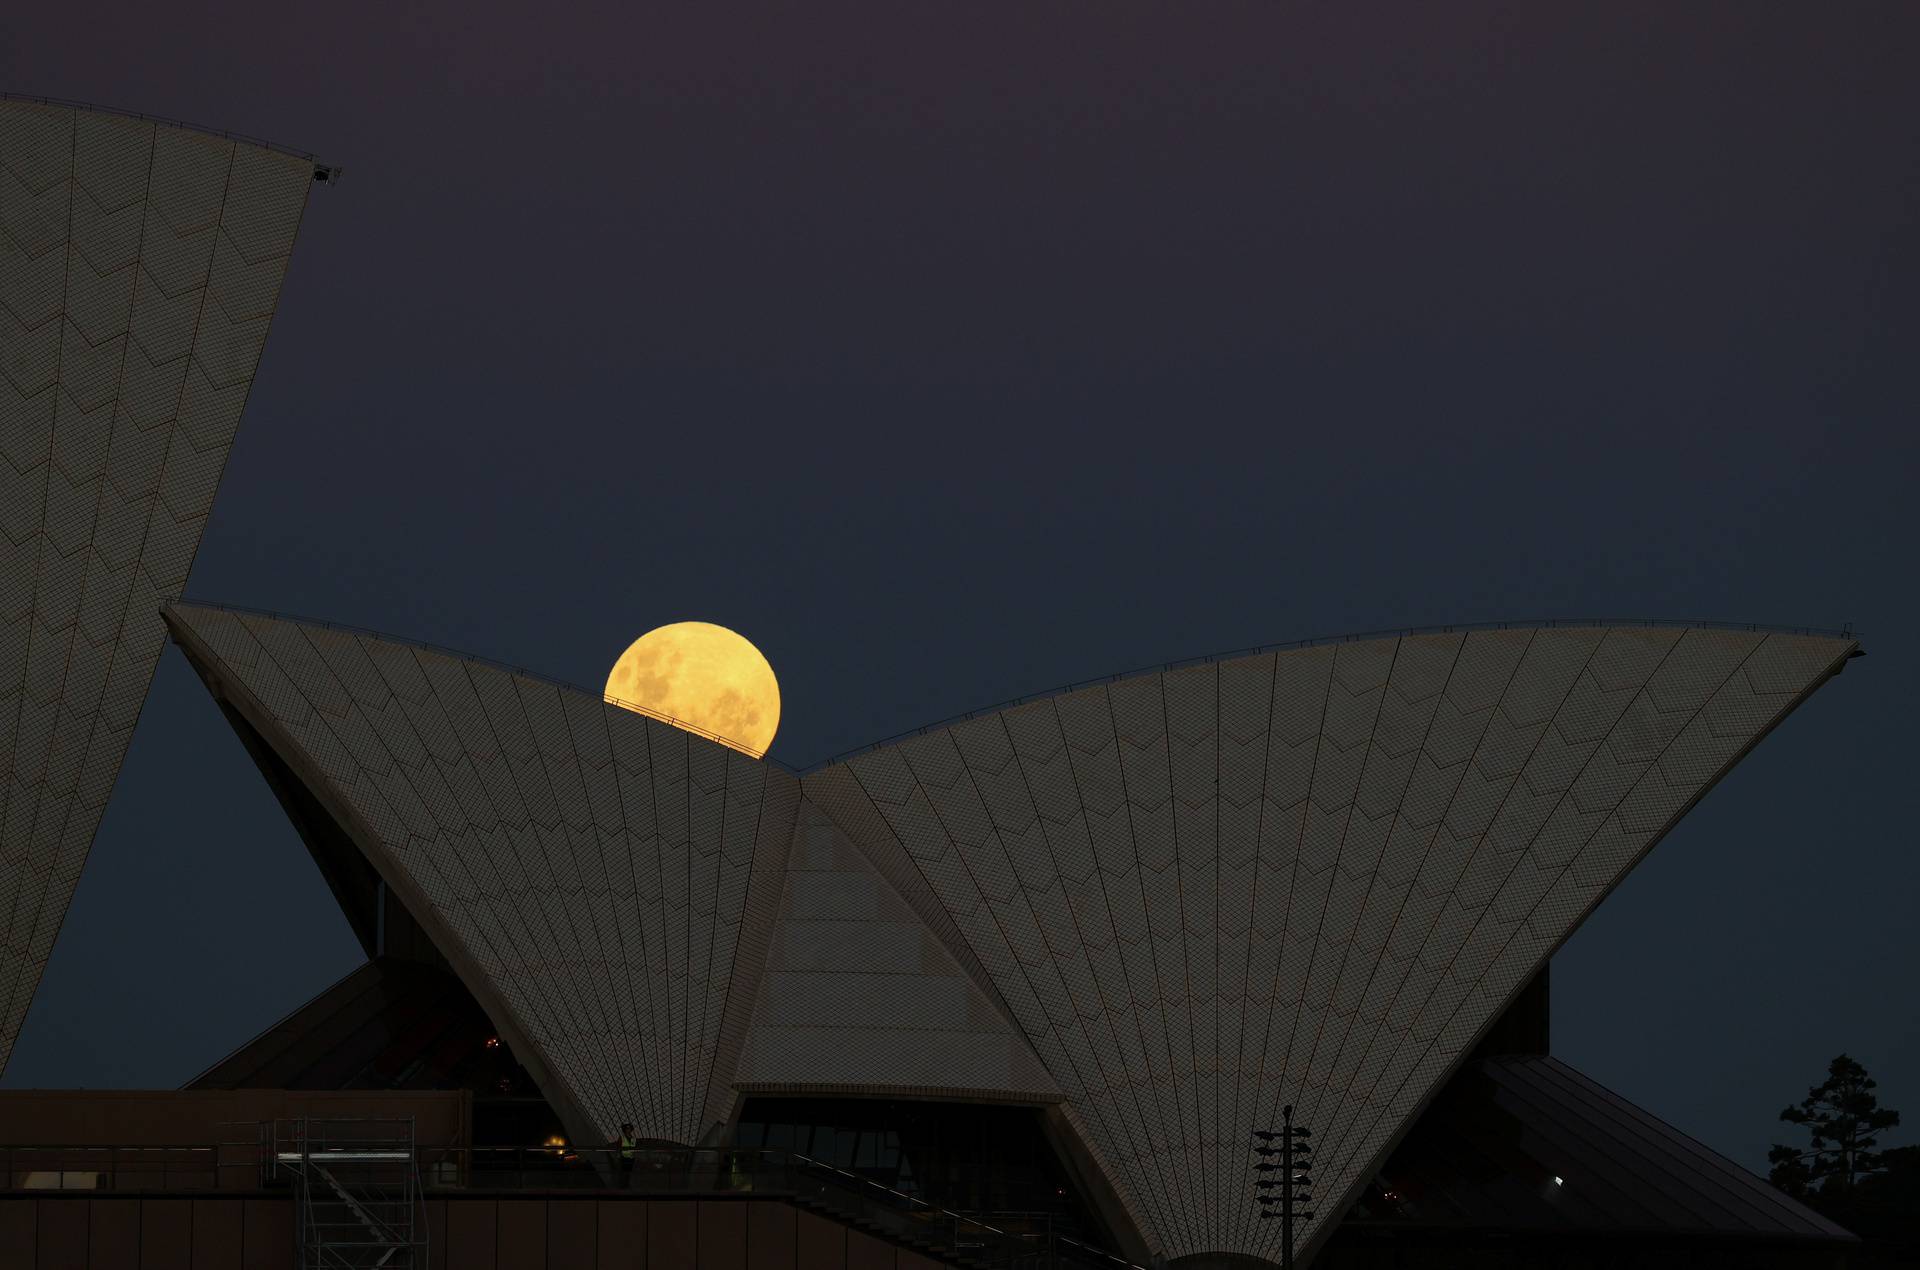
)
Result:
{"points": [[703, 676]]}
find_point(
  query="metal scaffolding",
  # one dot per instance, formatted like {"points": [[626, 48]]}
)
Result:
{"points": [[357, 1197]]}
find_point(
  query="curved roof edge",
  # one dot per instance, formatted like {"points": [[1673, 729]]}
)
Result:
{"points": [[348, 628], [1456, 902], [149, 117], [1552, 623], [574, 1034], [89, 556], [994, 708]]}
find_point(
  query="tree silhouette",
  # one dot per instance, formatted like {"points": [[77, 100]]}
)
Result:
{"points": [[1844, 1117]]}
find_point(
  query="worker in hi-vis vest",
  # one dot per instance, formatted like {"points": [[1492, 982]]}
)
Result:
{"points": [[627, 1143]]}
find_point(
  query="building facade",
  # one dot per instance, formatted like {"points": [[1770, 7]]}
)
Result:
{"points": [[1150, 911], [1051, 963]]}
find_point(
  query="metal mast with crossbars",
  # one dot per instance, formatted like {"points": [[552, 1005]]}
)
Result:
{"points": [[1292, 1185]]}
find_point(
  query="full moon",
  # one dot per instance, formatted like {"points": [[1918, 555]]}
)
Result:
{"points": [[702, 675]]}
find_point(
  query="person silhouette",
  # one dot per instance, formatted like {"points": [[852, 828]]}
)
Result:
{"points": [[626, 1142]]}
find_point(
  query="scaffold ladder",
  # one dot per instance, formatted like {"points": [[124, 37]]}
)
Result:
{"points": [[357, 1199]]}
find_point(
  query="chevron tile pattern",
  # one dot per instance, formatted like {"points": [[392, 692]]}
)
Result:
{"points": [[1312, 876], [604, 883], [139, 268], [1168, 903]]}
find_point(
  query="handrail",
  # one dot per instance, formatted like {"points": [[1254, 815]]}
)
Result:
{"points": [[194, 1167], [986, 1239]]}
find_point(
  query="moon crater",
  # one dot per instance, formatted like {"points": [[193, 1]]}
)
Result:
{"points": [[702, 676]]}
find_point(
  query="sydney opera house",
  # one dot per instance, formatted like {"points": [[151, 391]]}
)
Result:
{"points": [[1014, 990]]}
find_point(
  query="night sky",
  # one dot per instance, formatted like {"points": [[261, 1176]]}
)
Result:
{"points": [[956, 351]]}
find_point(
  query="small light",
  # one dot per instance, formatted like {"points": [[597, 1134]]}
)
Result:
{"points": [[1558, 1180]]}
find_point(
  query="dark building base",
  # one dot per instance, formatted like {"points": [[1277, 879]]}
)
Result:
{"points": [[81, 1231], [1358, 1250]]}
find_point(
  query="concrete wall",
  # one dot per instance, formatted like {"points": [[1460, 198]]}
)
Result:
{"points": [[80, 1231]]}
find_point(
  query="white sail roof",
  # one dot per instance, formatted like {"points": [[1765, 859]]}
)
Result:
{"points": [[860, 997], [139, 268], [1164, 905], [603, 882], [1309, 877]]}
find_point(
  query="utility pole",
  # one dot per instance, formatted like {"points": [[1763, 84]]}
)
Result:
{"points": [[1295, 1159]]}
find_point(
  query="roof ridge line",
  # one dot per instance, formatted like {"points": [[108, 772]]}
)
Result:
{"points": [[1321, 641], [553, 681], [224, 134], [1449, 628]]}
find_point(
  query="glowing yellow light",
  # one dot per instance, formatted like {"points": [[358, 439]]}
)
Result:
{"points": [[705, 677]]}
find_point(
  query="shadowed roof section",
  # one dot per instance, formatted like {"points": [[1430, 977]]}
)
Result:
{"points": [[1488, 1151], [602, 882], [1311, 876], [859, 996], [140, 264]]}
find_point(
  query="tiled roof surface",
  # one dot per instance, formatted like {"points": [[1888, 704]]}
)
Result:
{"points": [[604, 883], [1170, 902], [140, 264], [1311, 876]]}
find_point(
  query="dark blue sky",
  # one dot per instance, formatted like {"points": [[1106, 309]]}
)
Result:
{"points": [[955, 351]]}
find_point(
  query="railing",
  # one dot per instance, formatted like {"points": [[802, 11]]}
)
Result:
{"points": [[356, 1189], [1013, 1240], [159, 1168], [784, 1174], [1000, 1241]]}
